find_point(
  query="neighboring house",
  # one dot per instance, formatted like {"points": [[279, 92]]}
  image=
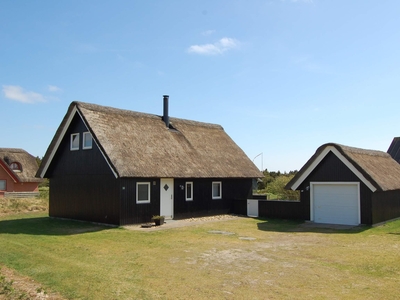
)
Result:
{"points": [[345, 185], [122, 167], [394, 149], [17, 173]]}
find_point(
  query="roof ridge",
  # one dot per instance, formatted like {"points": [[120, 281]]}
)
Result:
{"points": [[357, 150], [17, 150], [109, 109]]}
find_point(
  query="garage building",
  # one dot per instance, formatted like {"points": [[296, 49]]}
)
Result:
{"points": [[350, 186]]}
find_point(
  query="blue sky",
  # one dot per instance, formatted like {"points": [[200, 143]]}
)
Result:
{"points": [[281, 76]]}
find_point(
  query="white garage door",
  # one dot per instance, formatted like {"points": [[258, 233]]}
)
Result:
{"points": [[336, 204]]}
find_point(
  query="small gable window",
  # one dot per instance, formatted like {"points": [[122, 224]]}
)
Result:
{"points": [[74, 141], [3, 185], [143, 192], [16, 167], [189, 191], [87, 140], [217, 190]]}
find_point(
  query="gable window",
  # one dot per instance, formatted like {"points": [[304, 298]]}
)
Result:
{"points": [[143, 192], [87, 140], [3, 185], [74, 141], [217, 190], [16, 167], [189, 191]]}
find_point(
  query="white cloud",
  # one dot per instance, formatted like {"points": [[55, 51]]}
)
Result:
{"points": [[219, 47], [228, 43], [208, 32], [17, 93], [53, 88], [208, 49]]}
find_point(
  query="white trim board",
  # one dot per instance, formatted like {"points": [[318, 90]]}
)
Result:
{"points": [[343, 159]]}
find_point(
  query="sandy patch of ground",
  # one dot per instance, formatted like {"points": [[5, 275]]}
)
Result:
{"points": [[24, 287], [182, 223]]}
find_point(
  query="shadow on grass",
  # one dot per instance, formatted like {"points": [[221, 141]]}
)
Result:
{"points": [[48, 226], [282, 225]]}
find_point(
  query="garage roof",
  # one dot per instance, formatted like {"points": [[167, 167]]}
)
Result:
{"points": [[376, 169]]}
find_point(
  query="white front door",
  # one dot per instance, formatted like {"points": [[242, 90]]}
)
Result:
{"points": [[167, 198]]}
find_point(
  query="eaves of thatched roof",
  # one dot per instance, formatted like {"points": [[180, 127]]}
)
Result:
{"points": [[376, 169], [27, 162], [140, 145]]}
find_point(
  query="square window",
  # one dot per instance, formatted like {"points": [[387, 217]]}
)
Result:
{"points": [[143, 192], [189, 191], [3, 185], [87, 140], [74, 141], [217, 190]]}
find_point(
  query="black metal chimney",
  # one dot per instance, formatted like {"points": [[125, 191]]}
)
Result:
{"points": [[165, 115]]}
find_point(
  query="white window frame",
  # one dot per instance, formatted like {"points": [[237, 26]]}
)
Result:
{"points": [[5, 184], [137, 192], [85, 134], [189, 183], [72, 148], [214, 183]]}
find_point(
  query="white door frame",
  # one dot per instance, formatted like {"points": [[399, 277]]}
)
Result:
{"points": [[167, 198], [312, 201]]}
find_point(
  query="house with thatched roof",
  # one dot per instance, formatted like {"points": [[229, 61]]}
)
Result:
{"points": [[351, 186], [17, 173], [120, 167]]}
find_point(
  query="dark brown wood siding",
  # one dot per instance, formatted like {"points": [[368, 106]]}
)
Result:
{"points": [[394, 149], [332, 169], [299, 210], [82, 185], [136, 213], [240, 207], [283, 209], [202, 203], [385, 206]]}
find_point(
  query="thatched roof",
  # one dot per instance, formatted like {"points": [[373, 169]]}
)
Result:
{"points": [[27, 162], [140, 145], [377, 169]]}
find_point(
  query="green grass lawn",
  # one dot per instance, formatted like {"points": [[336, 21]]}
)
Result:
{"points": [[260, 259]]}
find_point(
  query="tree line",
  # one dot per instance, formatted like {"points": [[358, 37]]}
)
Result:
{"points": [[273, 185]]}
